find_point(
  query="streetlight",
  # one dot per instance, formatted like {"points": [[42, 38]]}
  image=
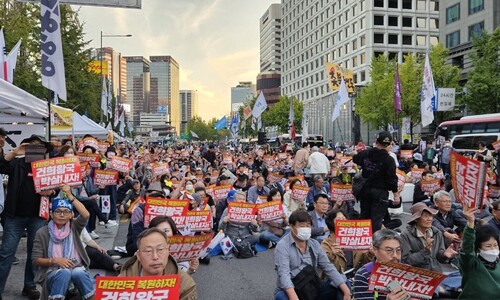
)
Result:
{"points": [[102, 59]]}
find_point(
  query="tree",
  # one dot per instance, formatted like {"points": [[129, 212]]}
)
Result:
{"points": [[279, 114], [483, 86]]}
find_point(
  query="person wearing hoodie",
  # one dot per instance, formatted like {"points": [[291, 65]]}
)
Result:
{"points": [[379, 169], [153, 259]]}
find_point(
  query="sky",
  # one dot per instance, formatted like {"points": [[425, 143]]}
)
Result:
{"points": [[215, 42]]}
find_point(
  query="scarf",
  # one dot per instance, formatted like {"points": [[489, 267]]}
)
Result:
{"points": [[60, 241], [487, 264]]}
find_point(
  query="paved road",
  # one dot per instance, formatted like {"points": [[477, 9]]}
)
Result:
{"points": [[232, 279]]}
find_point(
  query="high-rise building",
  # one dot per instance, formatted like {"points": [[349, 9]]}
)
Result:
{"points": [[244, 91], [116, 68], [138, 86], [165, 88], [189, 107], [460, 21], [347, 33]]}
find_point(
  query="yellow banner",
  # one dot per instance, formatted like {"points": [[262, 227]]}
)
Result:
{"points": [[60, 118], [335, 74], [95, 66]]}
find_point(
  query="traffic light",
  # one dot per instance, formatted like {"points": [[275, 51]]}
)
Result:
{"points": [[261, 138]]}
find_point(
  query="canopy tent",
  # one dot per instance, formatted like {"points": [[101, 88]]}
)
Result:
{"points": [[82, 126], [17, 105]]}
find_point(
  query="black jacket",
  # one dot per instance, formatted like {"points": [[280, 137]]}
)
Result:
{"points": [[379, 167]]}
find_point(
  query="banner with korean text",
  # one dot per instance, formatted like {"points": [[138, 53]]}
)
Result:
{"points": [[220, 192], [416, 174], [199, 220], [159, 169], [335, 74], [92, 158], [241, 212], [270, 211], [406, 154], [353, 234], [165, 287], [419, 283], [430, 185], [177, 209], [105, 177], [341, 192], [300, 192], [467, 178], [186, 248], [121, 164], [401, 179], [50, 173]]}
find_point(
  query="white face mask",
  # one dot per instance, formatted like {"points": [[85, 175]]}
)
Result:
{"points": [[303, 233], [489, 255], [189, 187]]}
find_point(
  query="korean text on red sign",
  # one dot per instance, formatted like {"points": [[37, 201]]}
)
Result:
{"points": [[241, 212], [186, 248], [468, 179], [353, 234], [270, 211], [105, 177], [121, 164], [176, 209], [341, 192], [164, 287], [50, 173]]}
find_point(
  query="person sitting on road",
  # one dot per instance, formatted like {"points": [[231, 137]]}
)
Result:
{"points": [[153, 259], [319, 230], [295, 252], [386, 246], [132, 195], [290, 202], [258, 190], [99, 259], [319, 187], [272, 231], [59, 252], [418, 195], [249, 232], [449, 221]]}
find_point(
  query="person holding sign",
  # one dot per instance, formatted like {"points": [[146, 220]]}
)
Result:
{"points": [[386, 248], [59, 252], [272, 231], [479, 260], [21, 210], [297, 258], [257, 190], [418, 194], [153, 259], [290, 201]]}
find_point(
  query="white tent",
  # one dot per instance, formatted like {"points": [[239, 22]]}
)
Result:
{"points": [[17, 105], [82, 126]]}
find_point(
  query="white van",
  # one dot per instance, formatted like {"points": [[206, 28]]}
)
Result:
{"points": [[468, 143]]}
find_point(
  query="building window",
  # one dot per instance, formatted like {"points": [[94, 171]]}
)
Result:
{"points": [[453, 13], [362, 23], [393, 21], [407, 21], [393, 3], [393, 56], [378, 3], [407, 4], [453, 39], [393, 39], [355, 61], [362, 41], [363, 76], [475, 6], [407, 39], [378, 38], [421, 40], [354, 45], [434, 6], [421, 5], [475, 30], [434, 40], [378, 20], [421, 23], [434, 23]]}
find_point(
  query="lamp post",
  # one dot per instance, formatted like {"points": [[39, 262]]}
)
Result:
{"points": [[102, 59]]}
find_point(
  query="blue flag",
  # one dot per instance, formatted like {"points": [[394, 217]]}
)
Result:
{"points": [[222, 123]]}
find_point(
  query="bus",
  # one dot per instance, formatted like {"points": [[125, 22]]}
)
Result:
{"points": [[487, 123]]}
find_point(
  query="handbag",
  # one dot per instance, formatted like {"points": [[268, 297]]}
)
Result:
{"points": [[307, 283]]}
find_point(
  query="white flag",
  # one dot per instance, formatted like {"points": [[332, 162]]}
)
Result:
{"points": [[110, 99], [52, 53], [104, 98], [341, 98], [304, 126], [259, 106], [122, 123], [11, 62], [428, 91], [2, 54], [193, 134], [117, 115]]}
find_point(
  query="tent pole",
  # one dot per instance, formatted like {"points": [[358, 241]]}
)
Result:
{"points": [[49, 121]]}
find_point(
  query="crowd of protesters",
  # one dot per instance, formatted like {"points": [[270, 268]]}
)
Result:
{"points": [[440, 231]]}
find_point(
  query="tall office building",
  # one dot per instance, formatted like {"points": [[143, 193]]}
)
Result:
{"points": [[189, 107], [460, 21], [138, 86], [347, 33], [244, 91], [165, 88], [116, 71]]}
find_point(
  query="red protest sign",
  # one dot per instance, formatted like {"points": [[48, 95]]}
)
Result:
{"points": [[417, 173], [199, 220], [226, 159], [50, 173], [159, 169], [220, 192], [90, 141], [84, 167], [290, 179], [105, 177], [43, 211], [92, 158], [270, 211], [138, 287], [430, 185], [121, 164], [186, 248], [268, 160], [241, 212], [102, 146], [468, 179], [282, 155], [419, 283], [353, 234], [341, 192], [300, 192], [176, 209], [274, 177], [401, 178], [406, 154], [494, 192]]}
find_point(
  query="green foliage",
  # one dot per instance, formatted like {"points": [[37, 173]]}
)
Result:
{"points": [[279, 114], [205, 130], [483, 85]]}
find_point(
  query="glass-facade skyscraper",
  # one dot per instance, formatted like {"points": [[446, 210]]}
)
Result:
{"points": [[138, 86]]}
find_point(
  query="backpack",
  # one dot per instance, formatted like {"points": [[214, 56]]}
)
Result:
{"points": [[243, 248], [359, 184]]}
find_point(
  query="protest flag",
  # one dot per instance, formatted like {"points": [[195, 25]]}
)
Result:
{"points": [[341, 98], [428, 92]]}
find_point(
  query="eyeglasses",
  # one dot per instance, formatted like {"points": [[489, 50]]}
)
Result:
{"points": [[160, 251], [445, 201], [62, 212], [390, 251]]}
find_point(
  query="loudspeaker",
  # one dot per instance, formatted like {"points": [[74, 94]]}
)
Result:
{"points": [[261, 138]]}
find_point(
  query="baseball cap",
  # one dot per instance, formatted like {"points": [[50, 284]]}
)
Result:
{"points": [[230, 195], [384, 138], [418, 156]]}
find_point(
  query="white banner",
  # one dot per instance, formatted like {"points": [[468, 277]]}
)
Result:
{"points": [[52, 54], [428, 91]]}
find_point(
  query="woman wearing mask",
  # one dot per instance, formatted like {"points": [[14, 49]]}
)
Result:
{"points": [[479, 260]]}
